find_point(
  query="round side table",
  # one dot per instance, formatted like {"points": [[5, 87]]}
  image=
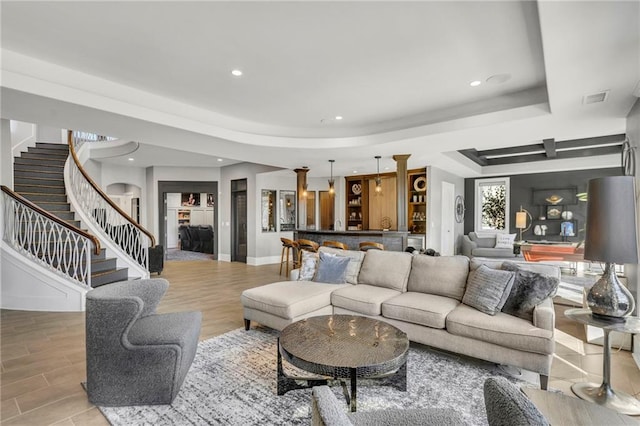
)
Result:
{"points": [[603, 394]]}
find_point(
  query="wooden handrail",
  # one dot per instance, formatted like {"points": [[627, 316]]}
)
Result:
{"points": [[19, 198], [104, 196]]}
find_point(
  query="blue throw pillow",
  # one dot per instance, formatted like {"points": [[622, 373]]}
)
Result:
{"points": [[332, 269]]}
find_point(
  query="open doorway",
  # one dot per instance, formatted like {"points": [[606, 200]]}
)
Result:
{"points": [[201, 207]]}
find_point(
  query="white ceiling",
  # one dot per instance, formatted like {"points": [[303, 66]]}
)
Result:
{"points": [[398, 72]]}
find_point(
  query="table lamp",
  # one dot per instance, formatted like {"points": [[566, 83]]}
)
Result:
{"points": [[521, 221], [611, 238]]}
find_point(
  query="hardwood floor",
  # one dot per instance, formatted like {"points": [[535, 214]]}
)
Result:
{"points": [[43, 357]]}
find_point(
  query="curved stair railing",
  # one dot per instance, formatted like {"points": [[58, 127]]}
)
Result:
{"points": [[46, 239], [133, 239]]}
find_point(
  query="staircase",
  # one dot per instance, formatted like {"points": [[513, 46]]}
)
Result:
{"points": [[39, 177]]}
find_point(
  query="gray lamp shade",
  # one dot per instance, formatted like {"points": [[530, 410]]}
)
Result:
{"points": [[611, 220]]}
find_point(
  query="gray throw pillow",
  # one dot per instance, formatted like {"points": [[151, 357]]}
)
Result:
{"points": [[506, 405], [529, 290], [332, 269], [487, 289]]}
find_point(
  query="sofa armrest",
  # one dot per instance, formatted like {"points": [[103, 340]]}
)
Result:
{"points": [[544, 316], [468, 246]]}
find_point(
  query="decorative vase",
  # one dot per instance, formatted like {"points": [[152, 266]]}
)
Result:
{"points": [[608, 298], [537, 230], [567, 215]]}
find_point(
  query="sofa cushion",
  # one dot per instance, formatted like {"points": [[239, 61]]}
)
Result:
{"points": [[332, 269], [389, 269], [529, 289], [488, 289], [501, 329], [355, 261], [363, 298], [419, 308], [439, 275], [290, 299], [308, 266], [541, 268]]}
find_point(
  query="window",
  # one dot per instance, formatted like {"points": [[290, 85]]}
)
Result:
{"points": [[492, 205]]}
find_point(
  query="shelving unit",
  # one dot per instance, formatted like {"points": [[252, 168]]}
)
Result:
{"points": [[562, 199], [417, 203], [184, 217], [357, 208]]}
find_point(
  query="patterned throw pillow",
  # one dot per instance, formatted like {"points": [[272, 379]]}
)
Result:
{"points": [[308, 266], [487, 289], [332, 269], [529, 289], [505, 241]]}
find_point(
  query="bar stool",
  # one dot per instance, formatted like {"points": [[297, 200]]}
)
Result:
{"points": [[307, 245], [336, 244], [371, 245], [287, 246]]}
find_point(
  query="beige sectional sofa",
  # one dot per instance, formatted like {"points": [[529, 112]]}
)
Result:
{"points": [[421, 295]]}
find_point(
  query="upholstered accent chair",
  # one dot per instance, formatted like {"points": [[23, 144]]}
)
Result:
{"points": [[507, 406], [327, 410], [134, 355]]}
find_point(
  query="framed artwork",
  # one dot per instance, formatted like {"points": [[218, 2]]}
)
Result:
{"points": [[210, 200], [190, 199], [554, 212]]}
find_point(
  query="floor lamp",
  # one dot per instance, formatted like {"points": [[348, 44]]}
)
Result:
{"points": [[521, 221]]}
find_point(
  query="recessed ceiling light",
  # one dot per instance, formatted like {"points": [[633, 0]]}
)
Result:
{"points": [[338, 117], [355, 171], [236, 73], [475, 83], [130, 159], [386, 168], [220, 159]]}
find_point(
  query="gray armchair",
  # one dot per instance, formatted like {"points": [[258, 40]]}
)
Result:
{"points": [[327, 410], [135, 356], [475, 246]]}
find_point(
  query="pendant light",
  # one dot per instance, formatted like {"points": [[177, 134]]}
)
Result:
{"points": [[378, 180], [332, 181]]}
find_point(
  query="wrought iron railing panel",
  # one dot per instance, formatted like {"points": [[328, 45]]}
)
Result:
{"points": [[46, 242], [115, 224]]}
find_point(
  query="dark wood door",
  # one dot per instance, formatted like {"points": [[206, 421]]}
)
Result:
{"points": [[239, 220]]}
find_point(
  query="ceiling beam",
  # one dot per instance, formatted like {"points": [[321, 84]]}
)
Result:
{"points": [[560, 155], [472, 155], [575, 148], [522, 149], [599, 140], [549, 147]]}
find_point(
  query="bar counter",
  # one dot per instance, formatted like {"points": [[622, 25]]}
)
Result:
{"points": [[392, 240]]}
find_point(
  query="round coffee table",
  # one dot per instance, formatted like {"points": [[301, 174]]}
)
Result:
{"points": [[341, 347]]}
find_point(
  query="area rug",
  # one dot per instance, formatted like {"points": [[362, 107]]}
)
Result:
{"points": [[233, 382], [181, 255]]}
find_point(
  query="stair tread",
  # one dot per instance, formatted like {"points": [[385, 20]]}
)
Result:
{"points": [[110, 271], [41, 186]]}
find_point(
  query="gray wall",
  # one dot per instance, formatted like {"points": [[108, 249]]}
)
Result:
{"points": [[521, 194]]}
